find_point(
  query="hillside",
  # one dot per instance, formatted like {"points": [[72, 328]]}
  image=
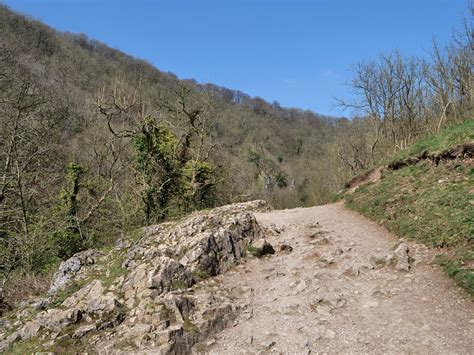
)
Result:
{"points": [[96, 144], [74, 71], [426, 194], [85, 131]]}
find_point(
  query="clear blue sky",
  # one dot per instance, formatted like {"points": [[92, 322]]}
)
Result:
{"points": [[297, 52]]}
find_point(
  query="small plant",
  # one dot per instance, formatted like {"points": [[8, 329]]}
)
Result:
{"points": [[29, 346], [115, 270], [178, 284], [393, 262], [314, 305], [64, 293], [254, 251], [189, 326], [136, 234], [166, 313], [380, 262], [201, 274]]}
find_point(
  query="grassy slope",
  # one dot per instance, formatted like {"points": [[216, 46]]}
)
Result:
{"points": [[428, 203], [445, 139]]}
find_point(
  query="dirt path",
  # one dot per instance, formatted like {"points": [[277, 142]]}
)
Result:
{"points": [[338, 292]]}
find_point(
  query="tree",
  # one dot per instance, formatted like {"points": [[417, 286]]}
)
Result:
{"points": [[172, 149], [449, 77]]}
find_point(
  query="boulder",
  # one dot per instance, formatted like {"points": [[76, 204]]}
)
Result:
{"points": [[30, 329], [261, 247], [71, 267], [91, 299], [403, 260]]}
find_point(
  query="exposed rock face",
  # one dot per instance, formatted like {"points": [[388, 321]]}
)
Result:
{"points": [[155, 294], [71, 267]]}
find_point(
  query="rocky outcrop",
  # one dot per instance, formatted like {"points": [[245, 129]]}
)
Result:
{"points": [[69, 269], [156, 293]]}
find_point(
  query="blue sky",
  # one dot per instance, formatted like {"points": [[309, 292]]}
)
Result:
{"points": [[297, 52]]}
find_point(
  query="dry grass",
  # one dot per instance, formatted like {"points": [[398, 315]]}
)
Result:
{"points": [[21, 287]]}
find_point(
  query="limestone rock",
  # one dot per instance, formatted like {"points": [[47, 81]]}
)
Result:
{"points": [[151, 304], [274, 229], [30, 330], [267, 345], [71, 267], [169, 274], [261, 247], [91, 299], [4, 344], [40, 303], [81, 331], [401, 254]]}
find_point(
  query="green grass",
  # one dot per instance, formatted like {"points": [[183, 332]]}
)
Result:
{"points": [[456, 270], [189, 326], [29, 346], [67, 291], [201, 274], [35, 345], [178, 284], [254, 251], [135, 235], [114, 270], [447, 138], [428, 203]]}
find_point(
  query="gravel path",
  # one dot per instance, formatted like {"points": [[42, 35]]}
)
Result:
{"points": [[339, 291]]}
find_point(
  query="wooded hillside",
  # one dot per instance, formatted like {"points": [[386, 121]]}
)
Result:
{"points": [[94, 142]]}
